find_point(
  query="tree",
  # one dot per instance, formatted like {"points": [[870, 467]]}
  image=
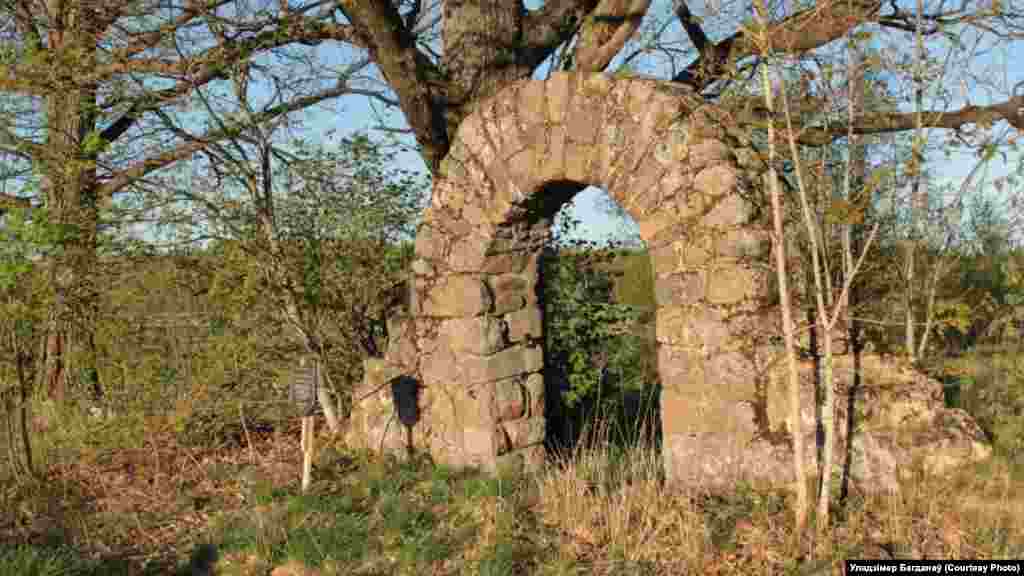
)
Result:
{"points": [[321, 230], [84, 60], [591, 348], [88, 90], [91, 83]]}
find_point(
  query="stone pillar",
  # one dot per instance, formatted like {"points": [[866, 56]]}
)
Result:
{"points": [[710, 283], [481, 362]]}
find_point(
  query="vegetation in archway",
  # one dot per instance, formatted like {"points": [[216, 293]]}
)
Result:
{"points": [[601, 368]]}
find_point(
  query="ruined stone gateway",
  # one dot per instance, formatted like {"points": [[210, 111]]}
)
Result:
{"points": [[473, 334]]}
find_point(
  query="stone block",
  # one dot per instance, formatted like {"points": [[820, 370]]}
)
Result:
{"points": [[531, 103], [511, 292], [525, 323], [510, 401], [478, 445], [534, 388], [401, 350], [582, 163], [584, 121], [595, 86], [507, 262], [693, 328], [430, 242], [557, 153], [714, 181], [654, 119], [732, 285], [525, 432], [377, 371], [506, 302], [467, 255], [611, 152], [559, 92], [458, 296], [672, 146], [479, 335], [521, 460], [640, 196], [679, 289], [657, 221], [709, 152], [535, 136], [422, 267], [505, 364], [664, 257], [686, 255], [475, 139], [502, 443], [712, 460], [729, 211], [680, 369], [748, 243], [439, 366], [523, 168], [476, 212], [673, 184]]}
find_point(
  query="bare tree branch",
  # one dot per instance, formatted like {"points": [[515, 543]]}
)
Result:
{"points": [[552, 24], [801, 32], [125, 177], [605, 33], [882, 122], [411, 74]]}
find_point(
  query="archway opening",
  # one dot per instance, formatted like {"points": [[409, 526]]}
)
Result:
{"points": [[598, 301]]}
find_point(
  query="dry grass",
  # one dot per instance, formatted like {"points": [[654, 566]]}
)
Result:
{"points": [[144, 504]]}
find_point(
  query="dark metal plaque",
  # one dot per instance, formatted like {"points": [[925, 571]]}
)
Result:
{"points": [[305, 382]]}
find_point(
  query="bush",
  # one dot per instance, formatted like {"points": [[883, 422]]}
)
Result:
{"points": [[992, 391], [598, 305]]}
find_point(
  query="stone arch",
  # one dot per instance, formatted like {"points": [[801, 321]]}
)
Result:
{"points": [[474, 334]]}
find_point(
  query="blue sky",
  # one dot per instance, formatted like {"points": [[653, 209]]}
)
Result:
{"points": [[354, 113]]}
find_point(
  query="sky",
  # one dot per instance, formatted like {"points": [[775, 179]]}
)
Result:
{"points": [[354, 113]]}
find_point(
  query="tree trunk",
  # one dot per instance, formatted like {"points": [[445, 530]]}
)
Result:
{"points": [[70, 186], [917, 196], [481, 43], [795, 417], [853, 244]]}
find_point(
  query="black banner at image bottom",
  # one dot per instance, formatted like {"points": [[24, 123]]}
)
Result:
{"points": [[901, 567]]}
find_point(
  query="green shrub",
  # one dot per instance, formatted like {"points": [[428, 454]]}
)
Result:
{"points": [[600, 360], [992, 390]]}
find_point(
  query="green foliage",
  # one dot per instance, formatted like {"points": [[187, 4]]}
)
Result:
{"points": [[991, 383], [26, 236], [325, 277], [592, 342], [583, 324], [33, 561]]}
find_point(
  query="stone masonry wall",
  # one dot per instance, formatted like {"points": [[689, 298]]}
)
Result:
{"points": [[473, 336]]}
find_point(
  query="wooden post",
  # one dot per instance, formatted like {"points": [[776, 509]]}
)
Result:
{"points": [[303, 391], [307, 451]]}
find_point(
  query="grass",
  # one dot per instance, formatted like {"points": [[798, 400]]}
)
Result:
{"points": [[128, 499]]}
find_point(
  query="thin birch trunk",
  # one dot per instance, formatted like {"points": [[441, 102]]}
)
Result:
{"points": [[917, 201], [778, 239], [824, 325]]}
